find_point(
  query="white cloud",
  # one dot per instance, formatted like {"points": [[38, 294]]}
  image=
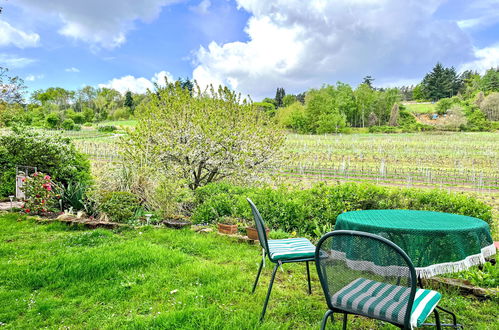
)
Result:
{"points": [[10, 61], [302, 44], [33, 77], [97, 22], [9, 35], [137, 85], [486, 58], [72, 69]]}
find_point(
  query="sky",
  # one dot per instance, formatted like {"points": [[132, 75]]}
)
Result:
{"points": [[252, 46]]}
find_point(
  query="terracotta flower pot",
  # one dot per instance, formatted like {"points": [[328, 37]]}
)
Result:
{"points": [[252, 233], [227, 229]]}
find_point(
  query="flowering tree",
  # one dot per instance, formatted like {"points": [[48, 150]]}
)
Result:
{"points": [[203, 136], [39, 194]]}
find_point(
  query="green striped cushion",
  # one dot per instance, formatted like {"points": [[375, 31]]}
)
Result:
{"points": [[385, 301], [290, 248]]}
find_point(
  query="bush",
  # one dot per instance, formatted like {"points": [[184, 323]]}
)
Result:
{"points": [[68, 124], [477, 122], [39, 195], [306, 210], [78, 118], [443, 105], [53, 155], [121, 113], [52, 120], [120, 206], [383, 129], [106, 128]]}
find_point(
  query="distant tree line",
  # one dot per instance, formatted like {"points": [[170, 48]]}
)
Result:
{"points": [[331, 109], [56, 107]]}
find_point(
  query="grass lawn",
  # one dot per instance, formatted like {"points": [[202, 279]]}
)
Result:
{"points": [[420, 107], [131, 122], [56, 276]]}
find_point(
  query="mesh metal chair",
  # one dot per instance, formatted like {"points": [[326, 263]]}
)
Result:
{"points": [[280, 251], [365, 274]]}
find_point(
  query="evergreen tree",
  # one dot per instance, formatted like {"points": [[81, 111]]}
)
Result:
{"points": [[368, 80], [128, 99], [441, 82], [279, 96], [490, 81]]}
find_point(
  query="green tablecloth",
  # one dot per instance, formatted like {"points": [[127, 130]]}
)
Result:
{"points": [[436, 242]]}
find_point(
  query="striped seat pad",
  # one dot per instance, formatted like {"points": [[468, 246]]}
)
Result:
{"points": [[291, 248], [385, 301]]}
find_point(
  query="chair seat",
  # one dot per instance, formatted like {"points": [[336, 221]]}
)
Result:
{"points": [[291, 248], [385, 301]]}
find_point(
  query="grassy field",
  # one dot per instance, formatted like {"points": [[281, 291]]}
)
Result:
{"points": [[56, 276], [420, 107]]}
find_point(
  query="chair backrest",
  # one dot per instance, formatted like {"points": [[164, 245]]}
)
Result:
{"points": [[260, 227], [346, 258]]}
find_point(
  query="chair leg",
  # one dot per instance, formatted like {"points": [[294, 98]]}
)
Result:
{"points": [[308, 277], [257, 277], [345, 318], [454, 318], [437, 319], [268, 292], [324, 319]]}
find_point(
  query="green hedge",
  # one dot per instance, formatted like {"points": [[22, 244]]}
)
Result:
{"points": [[304, 210]]}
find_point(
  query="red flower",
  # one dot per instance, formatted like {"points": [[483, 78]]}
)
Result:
{"points": [[35, 174], [27, 210], [23, 179], [47, 177]]}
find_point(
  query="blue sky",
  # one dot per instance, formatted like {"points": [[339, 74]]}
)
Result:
{"points": [[253, 46]]}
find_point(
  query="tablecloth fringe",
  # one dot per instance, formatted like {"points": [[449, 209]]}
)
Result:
{"points": [[457, 266]]}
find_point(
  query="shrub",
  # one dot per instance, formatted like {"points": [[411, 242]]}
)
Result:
{"points": [[39, 195], [477, 122], [306, 210], [54, 155], [68, 124], [383, 129], [52, 120], [120, 206], [443, 105], [121, 113], [78, 118], [106, 128]]}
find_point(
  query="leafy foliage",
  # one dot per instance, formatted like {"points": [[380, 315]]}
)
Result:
{"points": [[54, 155], [306, 210], [483, 276], [119, 206]]}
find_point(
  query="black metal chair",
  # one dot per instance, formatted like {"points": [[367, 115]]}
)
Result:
{"points": [[365, 274], [280, 251]]}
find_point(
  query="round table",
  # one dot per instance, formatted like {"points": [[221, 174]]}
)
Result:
{"points": [[436, 242]]}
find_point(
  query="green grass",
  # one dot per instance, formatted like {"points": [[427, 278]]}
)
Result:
{"points": [[131, 122], [56, 276], [420, 107]]}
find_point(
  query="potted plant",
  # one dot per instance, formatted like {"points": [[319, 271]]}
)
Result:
{"points": [[252, 233], [227, 225]]}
